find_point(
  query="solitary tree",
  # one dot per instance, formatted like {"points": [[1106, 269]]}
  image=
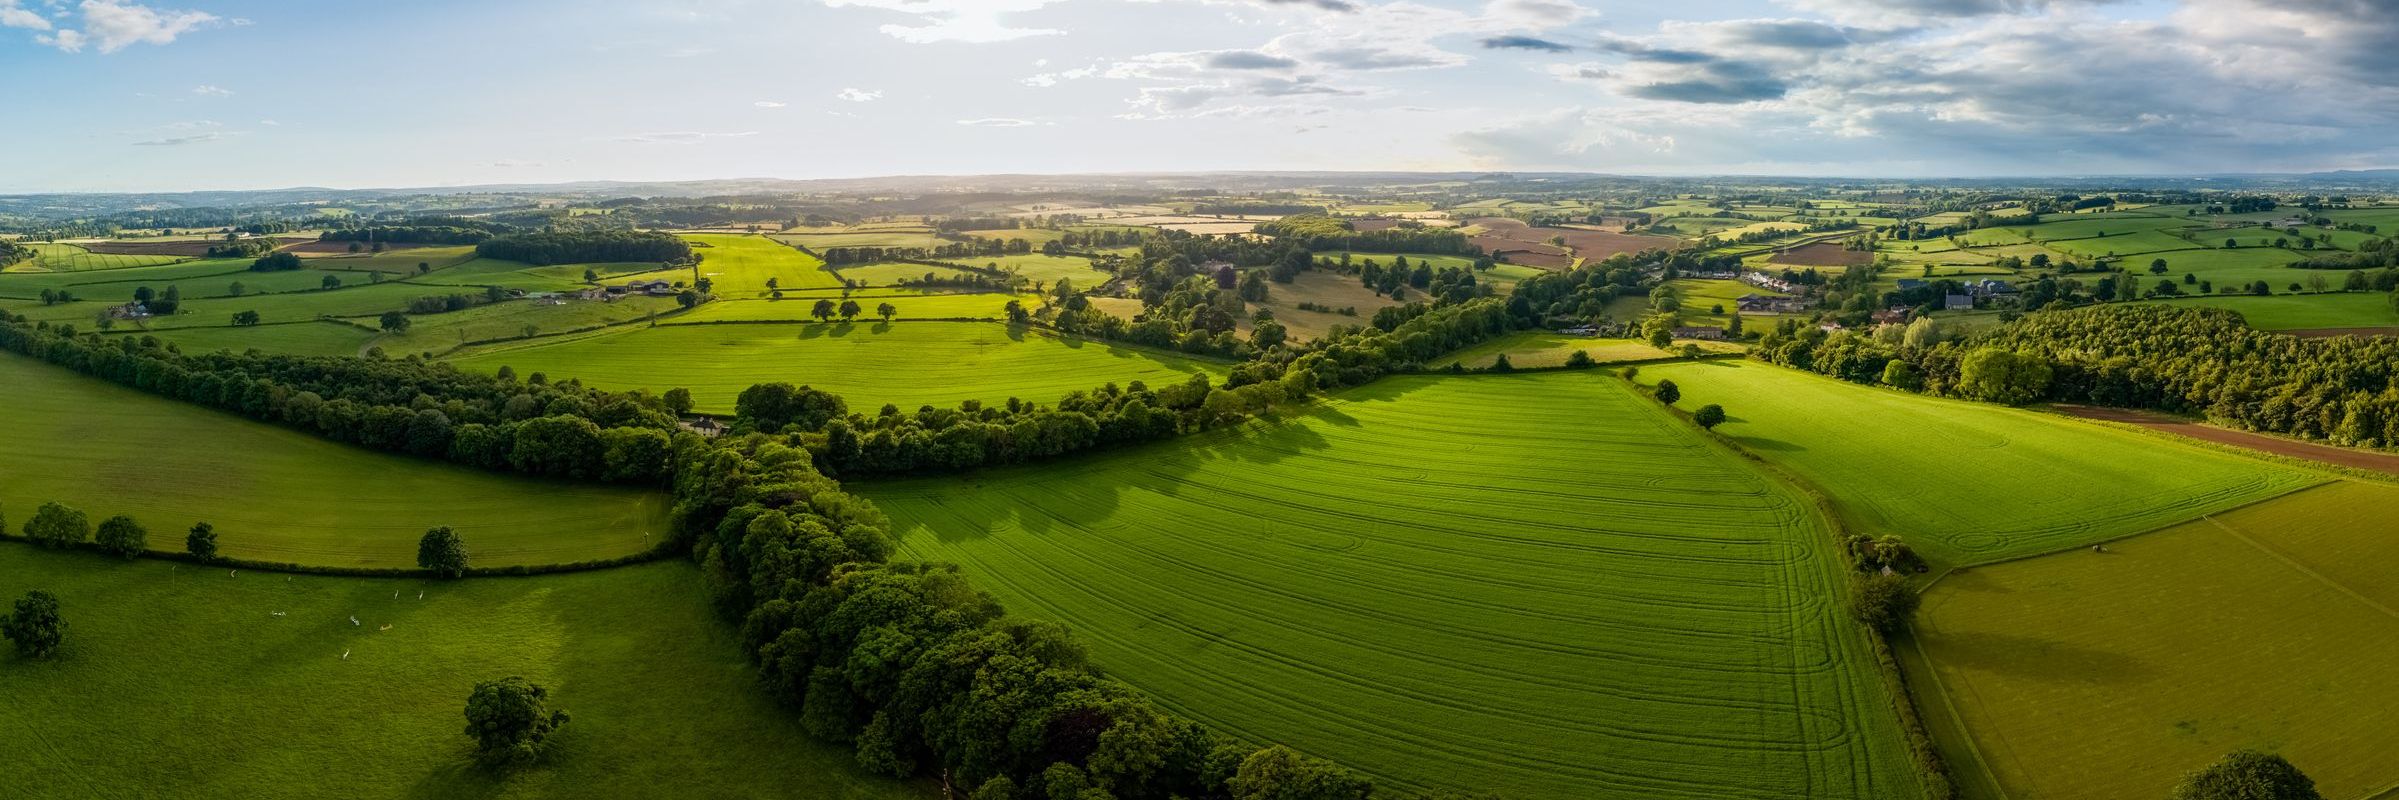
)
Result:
{"points": [[121, 535], [849, 310], [54, 525], [510, 720], [1668, 392], [442, 552], [245, 318], [887, 311], [201, 542], [1882, 602], [36, 627], [1709, 416], [823, 311], [394, 322], [2247, 775], [678, 400]]}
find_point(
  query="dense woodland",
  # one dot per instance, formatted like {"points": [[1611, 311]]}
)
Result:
{"points": [[587, 247]]}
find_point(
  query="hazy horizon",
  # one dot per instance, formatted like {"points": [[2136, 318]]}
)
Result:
{"points": [[222, 95]]}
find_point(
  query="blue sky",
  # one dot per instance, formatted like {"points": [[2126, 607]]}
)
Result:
{"points": [[113, 95]]}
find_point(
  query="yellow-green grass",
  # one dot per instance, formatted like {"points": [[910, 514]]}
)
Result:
{"points": [[311, 338], [1990, 237], [2234, 267], [2384, 220], [868, 363], [2102, 227], [2125, 244], [820, 242], [2284, 312], [200, 278], [354, 300], [1699, 298], [2107, 675], [1573, 596], [279, 495], [1041, 269], [403, 261], [1037, 236], [891, 274], [910, 305], [60, 257], [739, 266], [1321, 287], [1551, 349], [1967, 482], [441, 333], [2242, 237], [187, 681], [559, 278]]}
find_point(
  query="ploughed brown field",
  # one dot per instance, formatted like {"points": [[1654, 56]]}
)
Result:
{"points": [[1822, 254], [1527, 245]]}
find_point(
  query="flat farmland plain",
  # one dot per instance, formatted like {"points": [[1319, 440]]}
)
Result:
{"points": [[276, 494], [868, 363], [1563, 593], [1969, 482], [2106, 675]]}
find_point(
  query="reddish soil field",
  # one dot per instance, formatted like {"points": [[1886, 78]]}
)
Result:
{"points": [[1507, 235], [2341, 456], [1822, 254]]}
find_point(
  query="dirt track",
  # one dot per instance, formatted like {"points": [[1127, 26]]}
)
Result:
{"points": [[2341, 456]]}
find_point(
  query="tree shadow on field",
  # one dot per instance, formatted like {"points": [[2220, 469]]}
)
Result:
{"points": [[811, 330], [880, 328], [2039, 659], [460, 776], [1762, 443]]}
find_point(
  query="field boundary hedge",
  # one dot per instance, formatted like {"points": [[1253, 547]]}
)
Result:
{"points": [[659, 552]]}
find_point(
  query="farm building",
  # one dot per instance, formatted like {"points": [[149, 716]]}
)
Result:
{"points": [[1893, 315], [1765, 281], [1702, 333], [1958, 302], [1768, 304]]}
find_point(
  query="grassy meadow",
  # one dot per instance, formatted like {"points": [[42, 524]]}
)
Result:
{"points": [[908, 364], [181, 680], [2106, 675], [280, 495], [1579, 598], [1551, 349], [1968, 482], [739, 266], [2284, 312]]}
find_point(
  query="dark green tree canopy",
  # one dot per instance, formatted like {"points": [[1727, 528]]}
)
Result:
{"points": [[35, 627], [442, 551], [511, 721], [2247, 775]]}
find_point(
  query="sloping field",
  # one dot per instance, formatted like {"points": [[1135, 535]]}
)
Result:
{"points": [[909, 364], [1551, 349], [311, 338], [910, 304], [59, 257], [216, 686], [2125, 244], [1564, 593], [1043, 270], [2285, 312], [280, 495], [739, 266], [2107, 675], [1969, 482]]}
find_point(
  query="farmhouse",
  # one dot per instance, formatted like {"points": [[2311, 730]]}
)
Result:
{"points": [[1769, 304], [1989, 288], [1708, 334], [1958, 302], [1765, 281]]}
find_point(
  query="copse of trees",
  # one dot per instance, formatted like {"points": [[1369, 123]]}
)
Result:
{"points": [[280, 261], [1319, 232], [586, 246], [121, 536]]}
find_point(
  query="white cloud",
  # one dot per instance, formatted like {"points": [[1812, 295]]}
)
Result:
{"points": [[114, 25], [173, 141], [860, 95], [269, 123], [769, 104], [681, 137], [15, 16], [997, 122], [969, 21], [209, 90]]}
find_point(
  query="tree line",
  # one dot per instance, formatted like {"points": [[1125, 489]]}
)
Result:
{"points": [[1318, 232], [411, 234], [587, 247]]}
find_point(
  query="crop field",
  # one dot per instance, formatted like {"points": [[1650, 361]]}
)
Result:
{"points": [[1550, 349], [2106, 675], [276, 494], [1581, 598], [2285, 312], [1969, 482], [910, 305], [1041, 269], [559, 278], [917, 236], [311, 338], [739, 266], [218, 686], [441, 333], [1453, 634], [891, 274], [2124, 244], [59, 257], [908, 364]]}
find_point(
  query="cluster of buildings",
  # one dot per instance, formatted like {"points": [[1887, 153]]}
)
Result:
{"points": [[1770, 304], [607, 294], [1765, 281]]}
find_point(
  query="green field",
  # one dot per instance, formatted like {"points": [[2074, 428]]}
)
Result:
{"points": [[1042, 270], [2284, 312], [561, 278], [53, 257], [909, 364], [2127, 245], [892, 273], [1579, 597], [311, 338], [739, 266], [276, 494], [180, 680], [2106, 675], [1968, 482], [1551, 349], [909, 303]]}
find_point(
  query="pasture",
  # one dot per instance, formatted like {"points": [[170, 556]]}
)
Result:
{"points": [[910, 305], [2106, 675], [276, 494], [60, 257], [1317, 287], [1580, 598], [1529, 349], [185, 677], [2284, 312], [739, 266], [1040, 269], [908, 364], [1968, 482], [307, 338]]}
